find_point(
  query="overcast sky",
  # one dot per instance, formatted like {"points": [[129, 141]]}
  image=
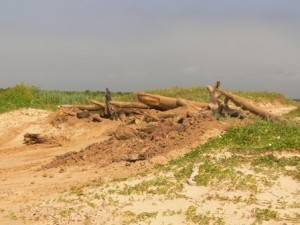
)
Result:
{"points": [[131, 45]]}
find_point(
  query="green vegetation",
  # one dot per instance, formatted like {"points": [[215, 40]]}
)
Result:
{"points": [[272, 163], [258, 137], [66, 212], [137, 218], [191, 93], [23, 96], [159, 186], [265, 214], [294, 114], [198, 218], [218, 172], [265, 96], [249, 145], [261, 136]]}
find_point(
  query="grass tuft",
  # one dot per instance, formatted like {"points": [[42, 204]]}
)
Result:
{"points": [[198, 218], [265, 214]]}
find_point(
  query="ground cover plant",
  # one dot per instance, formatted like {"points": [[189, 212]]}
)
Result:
{"points": [[259, 140]]}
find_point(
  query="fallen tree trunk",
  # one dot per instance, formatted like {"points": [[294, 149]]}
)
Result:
{"points": [[100, 104], [246, 105], [122, 105], [82, 107], [166, 103], [89, 108], [135, 105], [122, 109]]}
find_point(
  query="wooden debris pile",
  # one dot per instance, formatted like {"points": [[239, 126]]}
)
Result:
{"points": [[153, 126], [146, 102], [217, 106]]}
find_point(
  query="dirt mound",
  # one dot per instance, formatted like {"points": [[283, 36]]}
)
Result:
{"points": [[63, 117], [142, 138]]}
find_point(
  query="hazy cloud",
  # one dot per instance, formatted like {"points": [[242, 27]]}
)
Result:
{"points": [[133, 45], [190, 70]]}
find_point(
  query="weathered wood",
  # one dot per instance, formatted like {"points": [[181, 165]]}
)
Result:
{"points": [[149, 117], [83, 114], [134, 158], [166, 103], [122, 116], [178, 118], [108, 95], [194, 104], [89, 108], [69, 113], [136, 105], [82, 107], [130, 111], [100, 104], [226, 111], [218, 107], [167, 115], [97, 119], [214, 100], [110, 109], [31, 139], [246, 105], [107, 103], [121, 105]]}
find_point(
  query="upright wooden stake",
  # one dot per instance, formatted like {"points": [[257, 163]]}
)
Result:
{"points": [[111, 110]]}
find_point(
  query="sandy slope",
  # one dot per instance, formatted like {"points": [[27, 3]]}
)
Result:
{"points": [[24, 180]]}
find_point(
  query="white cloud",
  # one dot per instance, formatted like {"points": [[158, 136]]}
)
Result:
{"points": [[191, 70]]}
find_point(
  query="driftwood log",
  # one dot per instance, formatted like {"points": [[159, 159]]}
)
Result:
{"points": [[121, 105], [166, 103], [246, 105], [216, 104], [122, 108], [99, 104], [82, 107], [126, 105], [135, 158], [89, 108], [220, 108]]}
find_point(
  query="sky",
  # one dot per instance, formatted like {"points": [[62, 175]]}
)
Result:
{"points": [[132, 45]]}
